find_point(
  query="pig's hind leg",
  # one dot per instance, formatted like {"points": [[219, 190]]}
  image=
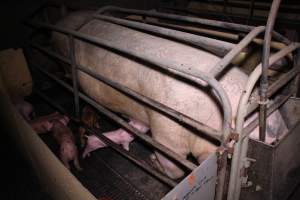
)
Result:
{"points": [[171, 135]]}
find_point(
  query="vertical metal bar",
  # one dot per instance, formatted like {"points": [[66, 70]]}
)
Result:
{"points": [[222, 166], [45, 15], [63, 10], [265, 66], [251, 11], [296, 80], [225, 7], [74, 74]]}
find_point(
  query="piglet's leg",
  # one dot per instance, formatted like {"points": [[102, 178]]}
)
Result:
{"points": [[76, 164]]}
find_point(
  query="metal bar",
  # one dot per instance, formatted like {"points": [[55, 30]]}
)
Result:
{"points": [[282, 80], [208, 22], [223, 63], [222, 169], [296, 83], [253, 124], [171, 112], [166, 151], [220, 34], [265, 66], [74, 75], [251, 11], [50, 53], [215, 23], [218, 47], [240, 148], [191, 74], [107, 141]]}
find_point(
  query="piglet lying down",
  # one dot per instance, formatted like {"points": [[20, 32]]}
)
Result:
{"points": [[120, 136]]}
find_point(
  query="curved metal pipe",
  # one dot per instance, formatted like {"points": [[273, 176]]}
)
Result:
{"points": [[208, 22], [210, 132], [241, 146], [223, 63], [218, 47], [265, 66]]}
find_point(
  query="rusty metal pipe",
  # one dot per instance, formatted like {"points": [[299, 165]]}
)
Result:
{"points": [[277, 103], [218, 47], [166, 151], [107, 141], [74, 75], [265, 66]]}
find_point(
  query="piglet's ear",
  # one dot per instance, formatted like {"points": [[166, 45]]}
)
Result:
{"points": [[49, 126], [66, 119]]}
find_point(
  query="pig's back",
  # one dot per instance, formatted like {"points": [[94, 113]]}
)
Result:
{"points": [[152, 83]]}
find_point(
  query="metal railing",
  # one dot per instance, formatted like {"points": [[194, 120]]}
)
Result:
{"points": [[219, 48]]}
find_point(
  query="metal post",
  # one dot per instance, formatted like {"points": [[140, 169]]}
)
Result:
{"points": [[74, 75], [265, 66]]}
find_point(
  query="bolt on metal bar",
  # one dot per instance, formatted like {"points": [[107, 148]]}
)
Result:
{"points": [[277, 103], [201, 21], [218, 47], [223, 63], [191, 74], [265, 66], [107, 141], [74, 75], [210, 132], [166, 151], [282, 80]]}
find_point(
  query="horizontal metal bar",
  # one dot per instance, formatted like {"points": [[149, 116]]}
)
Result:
{"points": [[208, 22], [50, 53], [210, 132], [215, 23], [218, 47], [223, 63], [190, 74], [166, 151], [109, 142], [206, 31], [282, 80], [179, 116]]}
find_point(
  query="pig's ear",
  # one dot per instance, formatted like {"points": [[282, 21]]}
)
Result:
{"points": [[66, 118], [97, 125]]}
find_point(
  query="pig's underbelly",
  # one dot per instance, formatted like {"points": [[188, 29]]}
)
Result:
{"points": [[191, 101]]}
